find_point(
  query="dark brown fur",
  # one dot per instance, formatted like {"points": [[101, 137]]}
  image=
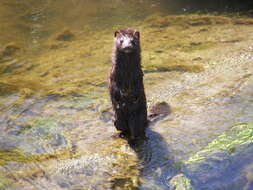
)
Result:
{"points": [[126, 85]]}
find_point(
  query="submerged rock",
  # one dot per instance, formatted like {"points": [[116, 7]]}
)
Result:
{"points": [[10, 49], [159, 111], [161, 108], [106, 116], [65, 35]]}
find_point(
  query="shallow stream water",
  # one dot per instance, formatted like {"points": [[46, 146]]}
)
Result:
{"points": [[56, 128]]}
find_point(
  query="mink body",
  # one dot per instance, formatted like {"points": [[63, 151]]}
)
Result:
{"points": [[126, 85]]}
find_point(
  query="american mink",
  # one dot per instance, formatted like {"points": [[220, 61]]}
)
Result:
{"points": [[126, 85]]}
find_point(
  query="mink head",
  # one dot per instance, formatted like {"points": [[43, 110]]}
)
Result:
{"points": [[127, 40]]}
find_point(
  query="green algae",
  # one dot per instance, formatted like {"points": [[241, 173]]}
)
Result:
{"points": [[238, 135], [6, 89], [192, 20], [197, 47], [17, 155], [47, 125], [25, 87], [125, 183], [178, 165], [85, 70], [181, 182], [157, 20], [40, 122], [243, 21], [126, 175], [5, 182], [169, 68], [13, 155], [44, 122]]}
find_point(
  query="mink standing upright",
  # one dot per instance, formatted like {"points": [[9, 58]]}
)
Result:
{"points": [[126, 85]]}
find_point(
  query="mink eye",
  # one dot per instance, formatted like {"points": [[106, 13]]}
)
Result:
{"points": [[121, 41]]}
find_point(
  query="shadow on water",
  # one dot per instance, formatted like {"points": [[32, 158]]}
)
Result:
{"points": [[157, 164]]}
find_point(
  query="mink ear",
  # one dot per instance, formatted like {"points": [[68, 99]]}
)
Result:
{"points": [[116, 33], [137, 34]]}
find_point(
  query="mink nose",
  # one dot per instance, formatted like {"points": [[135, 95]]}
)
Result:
{"points": [[128, 44]]}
